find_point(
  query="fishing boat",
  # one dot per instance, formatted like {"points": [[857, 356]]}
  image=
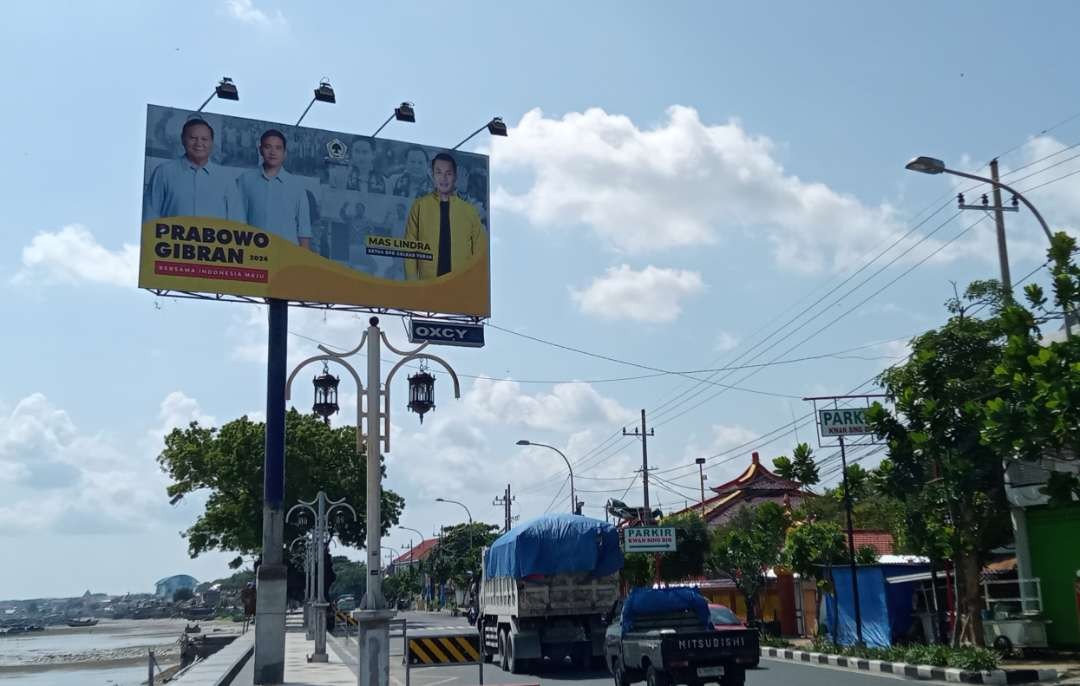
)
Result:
{"points": [[82, 621]]}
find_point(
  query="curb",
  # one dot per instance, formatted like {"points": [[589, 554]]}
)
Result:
{"points": [[996, 676]]}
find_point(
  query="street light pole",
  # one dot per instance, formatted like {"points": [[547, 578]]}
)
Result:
{"points": [[700, 462], [573, 493], [373, 618], [931, 165]]}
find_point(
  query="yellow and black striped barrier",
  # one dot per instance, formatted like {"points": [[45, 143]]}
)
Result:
{"points": [[440, 651]]}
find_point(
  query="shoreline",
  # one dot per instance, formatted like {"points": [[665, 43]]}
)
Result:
{"points": [[164, 661]]}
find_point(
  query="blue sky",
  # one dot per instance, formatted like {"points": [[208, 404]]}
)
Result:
{"points": [[678, 183]]}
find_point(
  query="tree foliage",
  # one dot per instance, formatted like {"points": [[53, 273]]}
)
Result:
{"points": [[800, 467], [637, 569], [950, 481], [692, 546], [403, 584], [456, 559], [227, 464], [812, 548], [350, 579], [1037, 410], [747, 546]]}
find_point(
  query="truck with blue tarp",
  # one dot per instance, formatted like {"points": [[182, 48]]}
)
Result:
{"points": [[665, 636], [545, 587]]}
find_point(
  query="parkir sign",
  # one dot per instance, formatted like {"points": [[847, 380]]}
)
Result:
{"points": [[847, 422]]}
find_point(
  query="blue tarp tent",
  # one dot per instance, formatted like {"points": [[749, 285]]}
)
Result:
{"points": [[555, 544], [885, 607]]}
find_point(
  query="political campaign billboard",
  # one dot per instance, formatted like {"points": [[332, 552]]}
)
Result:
{"points": [[236, 206]]}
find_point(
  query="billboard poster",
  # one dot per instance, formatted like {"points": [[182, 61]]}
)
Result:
{"points": [[237, 206]]}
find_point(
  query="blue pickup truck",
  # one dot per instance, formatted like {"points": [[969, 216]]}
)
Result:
{"points": [[666, 636]]}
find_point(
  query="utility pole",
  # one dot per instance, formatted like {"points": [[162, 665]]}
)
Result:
{"points": [[506, 501], [700, 462], [999, 223], [644, 436]]}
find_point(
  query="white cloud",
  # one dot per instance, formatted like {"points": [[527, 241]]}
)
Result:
{"points": [[246, 12], [726, 342], [681, 183], [650, 295], [178, 411], [73, 255], [567, 405], [62, 480]]}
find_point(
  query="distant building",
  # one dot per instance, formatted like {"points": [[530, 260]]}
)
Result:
{"points": [[166, 587], [756, 485]]}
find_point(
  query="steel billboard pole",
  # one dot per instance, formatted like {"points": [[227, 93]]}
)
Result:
{"points": [[269, 665]]}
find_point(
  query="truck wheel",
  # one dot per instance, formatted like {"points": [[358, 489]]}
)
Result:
{"points": [[655, 677], [503, 662], [619, 673], [515, 665]]}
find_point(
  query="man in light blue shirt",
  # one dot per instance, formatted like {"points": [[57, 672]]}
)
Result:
{"points": [[273, 199], [192, 185]]}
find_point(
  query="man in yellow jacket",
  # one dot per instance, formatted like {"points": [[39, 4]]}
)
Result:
{"points": [[449, 224]]}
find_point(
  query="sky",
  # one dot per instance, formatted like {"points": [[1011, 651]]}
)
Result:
{"points": [[685, 186]]}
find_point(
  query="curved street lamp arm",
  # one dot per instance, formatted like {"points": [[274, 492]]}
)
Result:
{"points": [[363, 339], [321, 358], [301, 505], [342, 505], [390, 377], [1010, 189], [401, 352]]}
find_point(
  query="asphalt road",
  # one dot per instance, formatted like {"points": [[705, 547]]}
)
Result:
{"points": [[771, 672]]}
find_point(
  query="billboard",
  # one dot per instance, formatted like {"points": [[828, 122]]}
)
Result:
{"points": [[236, 206]]}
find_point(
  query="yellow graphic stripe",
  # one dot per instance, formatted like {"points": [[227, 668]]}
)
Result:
{"points": [[468, 647], [433, 647], [414, 648], [447, 642]]}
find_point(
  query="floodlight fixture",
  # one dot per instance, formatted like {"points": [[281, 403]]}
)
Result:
{"points": [[226, 90], [403, 112], [496, 127], [324, 93], [926, 165]]}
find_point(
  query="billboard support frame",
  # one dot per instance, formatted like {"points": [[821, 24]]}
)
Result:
{"points": [[258, 300]]}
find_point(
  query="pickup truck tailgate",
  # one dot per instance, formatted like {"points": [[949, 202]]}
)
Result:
{"points": [[711, 647]]}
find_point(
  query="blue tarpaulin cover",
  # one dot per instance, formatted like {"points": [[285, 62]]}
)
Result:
{"points": [[556, 544], [649, 601], [885, 608]]}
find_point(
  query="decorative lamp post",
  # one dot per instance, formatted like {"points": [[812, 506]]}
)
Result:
{"points": [[422, 392], [373, 438], [321, 509], [326, 394]]}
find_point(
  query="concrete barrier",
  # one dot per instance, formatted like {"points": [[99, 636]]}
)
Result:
{"points": [[222, 667]]}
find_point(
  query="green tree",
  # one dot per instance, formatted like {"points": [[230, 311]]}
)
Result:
{"points": [[403, 584], [456, 559], [637, 569], [812, 548], [226, 463], [858, 480], [692, 546], [350, 579], [746, 547], [800, 467], [1037, 412], [937, 465]]}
